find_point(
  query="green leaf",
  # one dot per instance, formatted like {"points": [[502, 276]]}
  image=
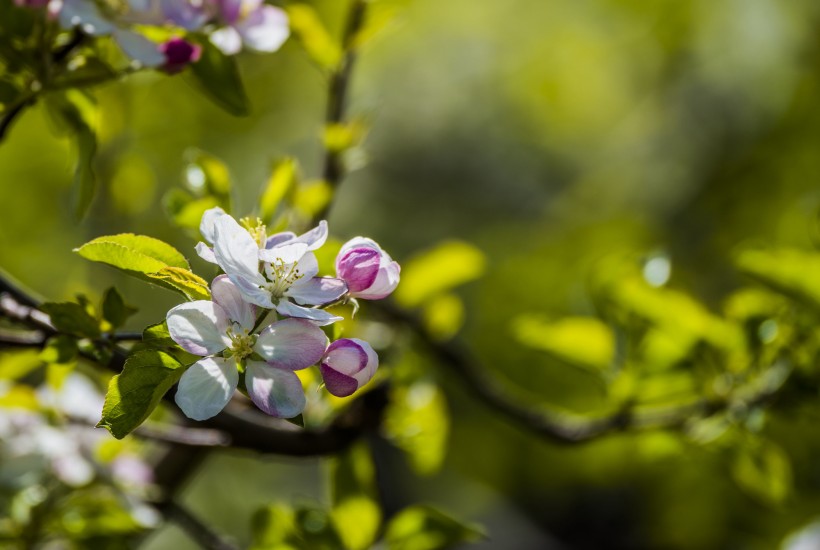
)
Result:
{"points": [[584, 342], [281, 182], [795, 273], [417, 421], [18, 363], [134, 394], [79, 115], [356, 513], [763, 470], [212, 172], [218, 77], [273, 528], [426, 528], [438, 270], [59, 349], [157, 333], [308, 28], [312, 197], [147, 259], [114, 308], [443, 316], [72, 318]]}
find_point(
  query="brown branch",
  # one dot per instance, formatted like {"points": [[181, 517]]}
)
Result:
{"points": [[200, 532], [559, 426], [333, 171]]}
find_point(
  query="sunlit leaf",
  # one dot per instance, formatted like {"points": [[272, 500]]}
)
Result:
{"points": [[274, 528], [763, 470], [59, 349], [311, 32], [443, 316], [418, 422], [356, 513], [17, 364], [585, 342], [216, 178], [312, 197], [133, 394], [440, 269], [281, 182], [426, 528], [795, 273]]}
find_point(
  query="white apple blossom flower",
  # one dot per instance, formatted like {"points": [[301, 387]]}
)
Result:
{"points": [[222, 330]]}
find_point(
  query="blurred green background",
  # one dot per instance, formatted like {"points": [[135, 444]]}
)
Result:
{"points": [[549, 133]]}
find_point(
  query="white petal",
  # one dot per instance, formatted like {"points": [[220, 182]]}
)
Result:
{"points": [[199, 327], [206, 225], [236, 251], [316, 237], [360, 242], [291, 344], [139, 48], [386, 281], [227, 40], [206, 387], [277, 392], [308, 266], [279, 238], [87, 16], [252, 292], [264, 29], [286, 254], [317, 316], [226, 294], [317, 291], [205, 252]]}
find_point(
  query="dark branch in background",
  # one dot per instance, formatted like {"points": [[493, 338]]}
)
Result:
{"points": [[333, 171], [197, 530], [57, 57], [561, 427]]}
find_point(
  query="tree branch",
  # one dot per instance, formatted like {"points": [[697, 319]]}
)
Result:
{"points": [[196, 529], [333, 171]]}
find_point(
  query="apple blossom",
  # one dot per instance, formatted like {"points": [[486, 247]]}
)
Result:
{"points": [[348, 364], [370, 273], [250, 22]]}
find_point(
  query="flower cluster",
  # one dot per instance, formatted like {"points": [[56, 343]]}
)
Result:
{"points": [[262, 323], [230, 25]]}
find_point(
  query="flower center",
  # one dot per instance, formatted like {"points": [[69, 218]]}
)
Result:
{"points": [[256, 227], [241, 343], [282, 276]]}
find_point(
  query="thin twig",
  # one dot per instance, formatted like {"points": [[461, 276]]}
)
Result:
{"points": [[333, 171], [199, 531]]}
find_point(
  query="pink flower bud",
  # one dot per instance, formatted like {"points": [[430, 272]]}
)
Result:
{"points": [[179, 53], [370, 273], [348, 364]]}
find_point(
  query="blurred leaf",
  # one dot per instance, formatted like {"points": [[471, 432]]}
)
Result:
{"points": [[356, 513], [17, 364], [308, 28], [763, 470], [440, 269], [147, 259], [418, 422], [218, 76], [272, 528], [59, 349], [19, 397], [96, 512], [426, 528], [281, 182], [312, 197], [316, 529], [8, 92], [795, 273], [72, 318], [189, 215], [114, 308], [136, 391], [79, 115], [585, 342], [443, 316], [215, 175]]}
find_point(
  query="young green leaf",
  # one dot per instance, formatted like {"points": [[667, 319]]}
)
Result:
{"points": [[218, 77], [792, 272], [320, 46], [72, 318], [438, 270], [281, 182], [356, 513], [147, 259], [426, 528], [134, 394], [583, 342], [60, 349]]}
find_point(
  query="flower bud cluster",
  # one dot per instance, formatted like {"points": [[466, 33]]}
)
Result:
{"points": [[262, 322]]}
